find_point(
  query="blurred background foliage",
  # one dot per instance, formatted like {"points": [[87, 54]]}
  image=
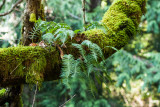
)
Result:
{"points": [[134, 70]]}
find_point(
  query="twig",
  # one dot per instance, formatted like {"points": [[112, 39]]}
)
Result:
{"points": [[74, 16], [16, 67], [83, 9], [67, 101], [6, 13], [61, 51], [34, 95], [2, 4]]}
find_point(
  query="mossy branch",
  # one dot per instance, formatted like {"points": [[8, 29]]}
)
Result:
{"points": [[121, 22], [28, 65]]}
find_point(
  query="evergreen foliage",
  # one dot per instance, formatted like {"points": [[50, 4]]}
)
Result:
{"points": [[153, 16], [146, 67]]}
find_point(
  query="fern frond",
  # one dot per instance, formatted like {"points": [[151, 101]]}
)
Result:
{"points": [[68, 62], [87, 43], [76, 68], [95, 49], [81, 50], [62, 34], [48, 37]]}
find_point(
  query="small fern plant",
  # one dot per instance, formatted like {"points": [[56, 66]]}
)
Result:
{"points": [[52, 32], [90, 62]]}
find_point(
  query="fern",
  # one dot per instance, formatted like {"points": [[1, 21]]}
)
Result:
{"points": [[91, 62], [48, 37], [95, 49], [81, 50], [62, 34], [52, 32]]}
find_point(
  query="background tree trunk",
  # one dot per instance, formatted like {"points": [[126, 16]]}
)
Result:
{"points": [[109, 2], [94, 4]]}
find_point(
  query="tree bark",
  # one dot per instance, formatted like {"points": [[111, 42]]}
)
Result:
{"points": [[33, 11], [13, 97], [94, 4], [108, 2]]}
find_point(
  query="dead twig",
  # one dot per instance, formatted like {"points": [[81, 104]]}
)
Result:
{"points": [[35, 95], [16, 67], [6, 13], [2, 4], [67, 101], [61, 51]]}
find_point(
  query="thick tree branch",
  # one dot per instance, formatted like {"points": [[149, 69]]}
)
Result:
{"points": [[6, 13], [2, 4], [47, 60], [121, 22]]}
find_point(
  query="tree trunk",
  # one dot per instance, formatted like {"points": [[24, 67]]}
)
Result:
{"points": [[15, 99], [12, 96], [109, 2], [33, 11], [94, 4]]}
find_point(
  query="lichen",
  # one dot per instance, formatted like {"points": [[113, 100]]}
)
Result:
{"points": [[120, 21], [32, 17]]}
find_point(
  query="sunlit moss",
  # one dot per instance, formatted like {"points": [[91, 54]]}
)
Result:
{"points": [[97, 36], [121, 22], [32, 17], [2, 92]]}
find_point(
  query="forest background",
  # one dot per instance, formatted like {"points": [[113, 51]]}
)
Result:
{"points": [[134, 70]]}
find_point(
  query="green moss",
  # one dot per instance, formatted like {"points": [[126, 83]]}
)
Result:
{"points": [[41, 13], [121, 22], [29, 62], [97, 36], [2, 92], [32, 17], [32, 75], [20, 104]]}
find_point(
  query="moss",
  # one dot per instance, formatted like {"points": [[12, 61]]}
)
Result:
{"points": [[129, 7], [2, 92], [120, 21], [97, 36], [32, 17], [20, 104], [42, 13], [29, 62]]}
